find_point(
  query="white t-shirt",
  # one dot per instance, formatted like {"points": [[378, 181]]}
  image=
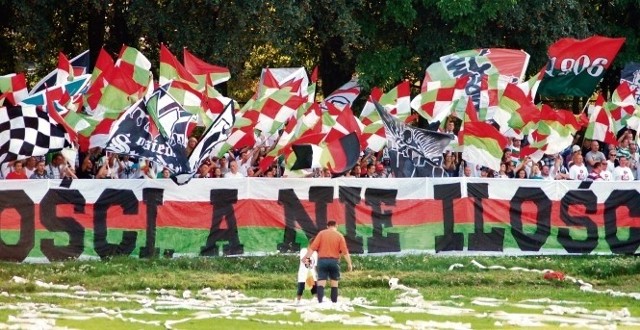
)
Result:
{"points": [[302, 269], [578, 172], [622, 174], [231, 175], [606, 175]]}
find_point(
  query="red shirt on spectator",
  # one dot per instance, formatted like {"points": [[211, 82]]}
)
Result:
{"points": [[16, 175]]}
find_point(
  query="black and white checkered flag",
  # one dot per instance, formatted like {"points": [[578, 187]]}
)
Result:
{"points": [[27, 131]]}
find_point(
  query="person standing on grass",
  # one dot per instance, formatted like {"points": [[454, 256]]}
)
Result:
{"points": [[307, 269], [330, 245]]}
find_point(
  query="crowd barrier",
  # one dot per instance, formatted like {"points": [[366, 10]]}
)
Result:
{"points": [[44, 220]]}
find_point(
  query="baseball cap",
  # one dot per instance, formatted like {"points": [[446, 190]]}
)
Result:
{"points": [[575, 148]]}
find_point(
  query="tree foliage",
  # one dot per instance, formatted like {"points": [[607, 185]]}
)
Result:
{"points": [[380, 41]]}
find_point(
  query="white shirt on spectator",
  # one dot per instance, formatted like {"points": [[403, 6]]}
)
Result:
{"points": [[606, 175], [232, 176], [622, 174], [578, 172]]}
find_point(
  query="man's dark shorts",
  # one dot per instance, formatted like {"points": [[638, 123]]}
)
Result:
{"points": [[328, 268]]}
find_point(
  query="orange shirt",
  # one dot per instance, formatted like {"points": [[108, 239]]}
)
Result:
{"points": [[330, 244]]}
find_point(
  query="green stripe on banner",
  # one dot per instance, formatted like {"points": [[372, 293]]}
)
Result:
{"points": [[261, 241]]}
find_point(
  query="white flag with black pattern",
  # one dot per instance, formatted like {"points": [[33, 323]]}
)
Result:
{"points": [[27, 131]]}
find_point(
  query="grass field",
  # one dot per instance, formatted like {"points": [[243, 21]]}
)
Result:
{"points": [[257, 293]]}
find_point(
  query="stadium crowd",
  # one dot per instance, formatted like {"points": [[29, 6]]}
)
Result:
{"points": [[589, 160]]}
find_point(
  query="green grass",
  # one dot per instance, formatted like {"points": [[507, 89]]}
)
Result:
{"points": [[274, 276]]}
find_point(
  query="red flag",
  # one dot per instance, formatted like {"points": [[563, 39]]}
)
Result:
{"points": [[576, 66]]}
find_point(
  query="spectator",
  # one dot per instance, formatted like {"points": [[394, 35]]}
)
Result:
{"points": [[594, 175], [223, 164], [634, 159], [233, 170], [86, 169], [623, 149], [217, 173], [545, 173], [467, 171], [450, 129], [245, 161], [127, 169], [594, 156], [521, 174], [536, 173], [575, 150], [17, 172], [203, 172], [356, 172], [622, 172], [449, 165], [40, 171], [578, 171], [191, 144], [611, 161], [559, 171], [56, 167], [371, 171], [30, 166], [502, 173], [165, 174], [605, 174]]}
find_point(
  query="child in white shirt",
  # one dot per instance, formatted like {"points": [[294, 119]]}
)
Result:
{"points": [[306, 267]]}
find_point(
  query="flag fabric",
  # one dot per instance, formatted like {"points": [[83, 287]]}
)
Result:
{"points": [[631, 74], [118, 95], [344, 95], [491, 88], [13, 88], [530, 86], [102, 69], [65, 70], [559, 126], [622, 105], [173, 121], [482, 144], [575, 67], [518, 110], [413, 152], [600, 126], [478, 62], [310, 121], [273, 79], [202, 70], [27, 131], [397, 102], [339, 155], [135, 65], [172, 69], [136, 134], [80, 65], [475, 64], [437, 99], [342, 124], [213, 137]]}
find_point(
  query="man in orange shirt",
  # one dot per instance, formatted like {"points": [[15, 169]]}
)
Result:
{"points": [[330, 245]]}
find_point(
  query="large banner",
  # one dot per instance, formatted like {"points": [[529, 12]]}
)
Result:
{"points": [[41, 221]]}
